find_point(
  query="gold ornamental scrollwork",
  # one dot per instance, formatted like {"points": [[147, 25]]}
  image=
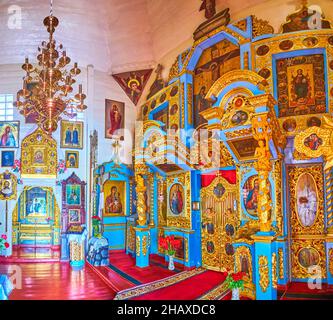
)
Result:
{"points": [[317, 227], [263, 273], [301, 271], [144, 245], [315, 142], [260, 27], [263, 134], [281, 263], [217, 201], [141, 201]]}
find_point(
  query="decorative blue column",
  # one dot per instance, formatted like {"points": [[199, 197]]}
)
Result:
{"points": [[265, 266], [142, 244]]}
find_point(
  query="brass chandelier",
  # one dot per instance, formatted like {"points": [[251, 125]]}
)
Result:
{"points": [[47, 91]]}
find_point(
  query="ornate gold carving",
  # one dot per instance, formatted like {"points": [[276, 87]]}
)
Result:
{"points": [[299, 271], [141, 201], [260, 62], [234, 76], [262, 134], [324, 143], [281, 263], [190, 103], [263, 273], [162, 198], [174, 70], [39, 155], [144, 245], [277, 174], [238, 133], [274, 271], [317, 228], [218, 211], [183, 104], [260, 27]]}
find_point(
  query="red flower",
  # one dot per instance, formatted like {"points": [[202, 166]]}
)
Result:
{"points": [[6, 244], [96, 218]]}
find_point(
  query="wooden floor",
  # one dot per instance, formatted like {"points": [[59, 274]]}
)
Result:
{"points": [[57, 281]]}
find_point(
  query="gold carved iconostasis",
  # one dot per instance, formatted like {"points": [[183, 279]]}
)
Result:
{"points": [[242, 79]]}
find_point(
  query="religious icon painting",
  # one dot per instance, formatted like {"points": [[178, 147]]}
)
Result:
{"points": [[289, 125], [73, 194], [7, 158], [72, 159], [39, 156], [313, 122], [8, 186], [9, 134], [74, 215], [133, 83], [114, 198], [114, 119], [71, 134], [308, 257], [36, 202], [301, 85], [176, 199], [307, 200], [313, 142], [250, 195], [213, 63]]}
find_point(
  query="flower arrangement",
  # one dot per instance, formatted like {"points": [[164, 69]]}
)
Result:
{"points": [[3, 242], [17, 166], [235, 280], [61, 167], [96, 222], [169, 244]]}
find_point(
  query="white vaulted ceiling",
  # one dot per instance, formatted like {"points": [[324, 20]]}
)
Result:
{"points": [[120, 35]]}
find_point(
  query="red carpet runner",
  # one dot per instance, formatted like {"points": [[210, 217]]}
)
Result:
{"points": [[187, 285], [301, 291]]}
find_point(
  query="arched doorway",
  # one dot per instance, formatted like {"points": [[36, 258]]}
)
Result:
{"points": [[36, 224]]}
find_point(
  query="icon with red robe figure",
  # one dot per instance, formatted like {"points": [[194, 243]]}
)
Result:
{"points": [[176, 199], [114, 118]]}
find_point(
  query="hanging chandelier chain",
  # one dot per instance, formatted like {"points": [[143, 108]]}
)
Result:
{"points": [[52, 95]]}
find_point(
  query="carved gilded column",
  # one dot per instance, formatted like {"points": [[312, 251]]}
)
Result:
{"points": [[142, 232], [141, 201], [262, 133], [151, 197]]}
